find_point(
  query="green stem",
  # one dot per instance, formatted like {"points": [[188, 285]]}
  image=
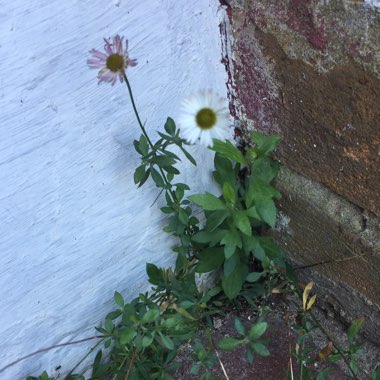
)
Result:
{"points": [[301, 359], [135, 110], [141, 125], [336, 346], [86, 356]]}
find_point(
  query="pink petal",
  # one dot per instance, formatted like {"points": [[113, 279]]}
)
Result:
{"points": [[118, 44], [126, 47], [108, 47], [132, 62], [107, 76], [98, 54], [94, 64]]}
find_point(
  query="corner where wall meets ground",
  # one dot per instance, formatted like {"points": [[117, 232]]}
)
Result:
{"points": [[310, 71]]}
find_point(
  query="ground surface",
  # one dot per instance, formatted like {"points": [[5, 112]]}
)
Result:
{"points": [[281, 338]]}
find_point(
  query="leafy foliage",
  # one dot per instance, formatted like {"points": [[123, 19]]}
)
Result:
{"points": [[142, 337], [235, 219]]}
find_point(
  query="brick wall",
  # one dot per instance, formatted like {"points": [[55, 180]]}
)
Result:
{"points": [[310, 71]]}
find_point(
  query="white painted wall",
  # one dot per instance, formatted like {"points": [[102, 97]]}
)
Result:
{"points": [[74, 228], [373, 3]]}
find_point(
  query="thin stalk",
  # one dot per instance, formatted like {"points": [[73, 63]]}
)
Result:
{"points": [[290, 348], [131, 365], [336, 346], [86, 356], [221, 364], [48, 349], [209, 334], [301, 361], [341, 353], [141, 125]]}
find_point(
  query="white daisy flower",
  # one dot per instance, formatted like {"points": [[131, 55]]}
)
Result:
{"points": [[204, 117]]}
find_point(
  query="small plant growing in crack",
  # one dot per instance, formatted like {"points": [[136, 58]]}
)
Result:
{"points": [[142, 337]]}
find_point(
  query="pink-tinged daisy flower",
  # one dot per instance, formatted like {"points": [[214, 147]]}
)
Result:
{"points": [[113, 62], [204, 117]]}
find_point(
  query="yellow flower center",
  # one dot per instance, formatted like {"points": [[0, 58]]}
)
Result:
{"points": [[115, 62], [206, 118]]}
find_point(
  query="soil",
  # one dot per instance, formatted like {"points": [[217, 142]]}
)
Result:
{"points": [[281, 339]]}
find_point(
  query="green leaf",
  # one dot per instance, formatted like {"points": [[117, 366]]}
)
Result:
{"points": [[143, 145], [239, 327], [242, 222], [179, 193], [155, 274], [251, 244], [231, 240], [230, 264], [228, 150], [195, 369], [188, 156], [270, 248], [167, 210], [267, 210], [260, 349], [291, 273], [229, 194], [139, 174], [252, 213], [254, 276], [182, 186], [137, 146], [114, 314], [215, 219], [157, 178], [354, 366], [208, 202], [126, 336], [257, 330], [186, 304], [181, 263], [146, 176], [249, 355], [210, 259], [376, 375], [224, 168], [147, 340], [119, 299], [259, 189], [353, 330], [166, 341], [202, 237], [209, 237], [150, 316], [264, 169], [322, 375], [233, 283], [170, 126], [171, 170], [230, 343], [170, 154], [182, 215], [265, 144], [108, 325], [163, 161]]}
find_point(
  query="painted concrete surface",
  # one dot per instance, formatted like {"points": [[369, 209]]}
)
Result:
{"points": [[74, 227], [373, 3]]}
